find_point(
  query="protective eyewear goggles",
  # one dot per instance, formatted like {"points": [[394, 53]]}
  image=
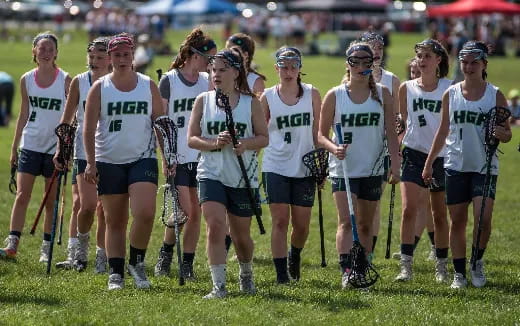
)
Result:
{"points": [[288, 61], [365, 62]]}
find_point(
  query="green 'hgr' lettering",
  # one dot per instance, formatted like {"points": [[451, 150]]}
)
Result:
{"points": [[130, 107], [182, 105], [472, 117], [361, 119], [45, 103]]}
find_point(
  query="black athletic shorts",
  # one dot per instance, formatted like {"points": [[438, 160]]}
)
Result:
{"points": [[115, 178], [368, 188], [35, 163], [280, 189], [386, 167], [412, 168], [462, 187], [78, 167], [186, 175], [236, 200]]}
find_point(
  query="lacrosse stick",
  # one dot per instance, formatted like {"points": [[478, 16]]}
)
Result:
{"points": [[159, 74], [12, 182], [317, 162], [390, 220], [362, 274], [223, 102], [171, 206], [65, 133], [495, 117]]}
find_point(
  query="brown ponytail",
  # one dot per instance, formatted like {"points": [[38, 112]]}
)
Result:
{"points": [[247, 45], [197, 40]]}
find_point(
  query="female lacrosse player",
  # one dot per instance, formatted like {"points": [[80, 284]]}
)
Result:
{"points": [[292, 111], [186, 79], [255, 80], [420, 106], [388, 79], [84, 194], [365, 112], [222, 190], [123, 105], [44, 90], [465, 108]]}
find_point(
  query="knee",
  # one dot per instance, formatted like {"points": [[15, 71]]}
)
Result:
{"points": [[344, 227], [301, 229], [409, 212], [364, 227], [215, 228], [76, 205], [281, 224], [23, 198], [242, 240]]}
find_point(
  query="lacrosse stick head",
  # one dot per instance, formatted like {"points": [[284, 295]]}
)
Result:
{"points": [[172, 215], [12, 182], [317, 161], [168, 131], [66, 134], [399, 124], [362, 275], [495, 117], [222, 99]]}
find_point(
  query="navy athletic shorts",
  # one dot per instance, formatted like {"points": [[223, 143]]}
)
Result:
{"points": [[280, 189], [412, 168], [462, 187], [368, 188], [35, 163], [115, 178], [236, 200]]}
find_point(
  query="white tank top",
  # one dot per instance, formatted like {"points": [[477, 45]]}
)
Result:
{"points": [[222, 165], [290, 134], [46, 106], [124, 133], [84, 81], [180, 105], [363, 131], [466, 151], [387, 79], [424, 115], [251, 79]]}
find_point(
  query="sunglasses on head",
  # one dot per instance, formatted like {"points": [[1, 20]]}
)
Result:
{"points": [[355, 61], [202, 54], [434, 46], [478, 53]]}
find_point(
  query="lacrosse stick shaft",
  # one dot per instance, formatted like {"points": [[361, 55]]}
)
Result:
{"points": [[62, 208], [322, 236], [44, 201], [177, 229], [390, 221], [54, 222]]}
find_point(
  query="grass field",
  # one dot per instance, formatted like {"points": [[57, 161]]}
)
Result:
{"points": [[29, 296]]}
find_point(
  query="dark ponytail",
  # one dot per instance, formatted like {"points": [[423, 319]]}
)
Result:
{"points": [[196, 40]]}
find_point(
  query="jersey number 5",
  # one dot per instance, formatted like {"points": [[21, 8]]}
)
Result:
{"points": [[422, 120]]}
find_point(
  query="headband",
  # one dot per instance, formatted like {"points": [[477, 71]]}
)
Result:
{"points": [[429, 43], [120, 40], [370, 37], [280, 56], [102, 42], [360, 47], [240, 42], [232, 59], [40, 37], [479, 49], [210, 44]]}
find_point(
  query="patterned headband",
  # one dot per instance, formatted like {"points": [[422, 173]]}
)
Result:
{"points": [[360, 47], [232, 59], [280, 55], [120, 40], [370, 37], [45, 36]]}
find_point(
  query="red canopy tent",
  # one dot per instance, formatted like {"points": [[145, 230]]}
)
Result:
{"points": [[472, 7]]}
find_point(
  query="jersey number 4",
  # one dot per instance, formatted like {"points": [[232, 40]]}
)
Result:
{"points": [[287, 137]]}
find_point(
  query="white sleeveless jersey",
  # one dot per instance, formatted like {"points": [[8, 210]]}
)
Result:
{"points": [[363, 131], [180, 105], [46, 106], [290, 134], [251, 79], [466, 151], [222, 165], [387, 79], [84, 81], [124, 133], [424, 115]]}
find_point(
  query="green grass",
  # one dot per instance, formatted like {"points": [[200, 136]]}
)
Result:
{"points": [[29, 296]]}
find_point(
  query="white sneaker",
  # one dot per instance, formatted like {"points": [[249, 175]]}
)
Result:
{"points": [[396, 255], [406, 273], [101, 261], [81, 258], [216, 293], [115, 282], [345, 284], [44, 251], [441, 270], [247, 285], [139, 275], [432, 256], [459, 281], [478, 279]]}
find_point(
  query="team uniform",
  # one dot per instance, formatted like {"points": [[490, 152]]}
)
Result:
{"points": [[181, 97], [38, 143], [465, 162], [251, 79], [424, 116], [286, 179], [218, 171], [363, 131], [80, 160], [125, 142]]}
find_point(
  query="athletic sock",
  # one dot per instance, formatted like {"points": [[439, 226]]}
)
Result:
{"points": [[374, 241], [345, 261], [246, 268], [416, 241], [431, 235], [280, 265], [136, 256], [480, 252], [46, 237], [188, 257], [218, 275], [168, 247], [228, 242], [295, 252], [459, 265], [407, 249], [441, 252], [16, 233], [117, 266]]}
